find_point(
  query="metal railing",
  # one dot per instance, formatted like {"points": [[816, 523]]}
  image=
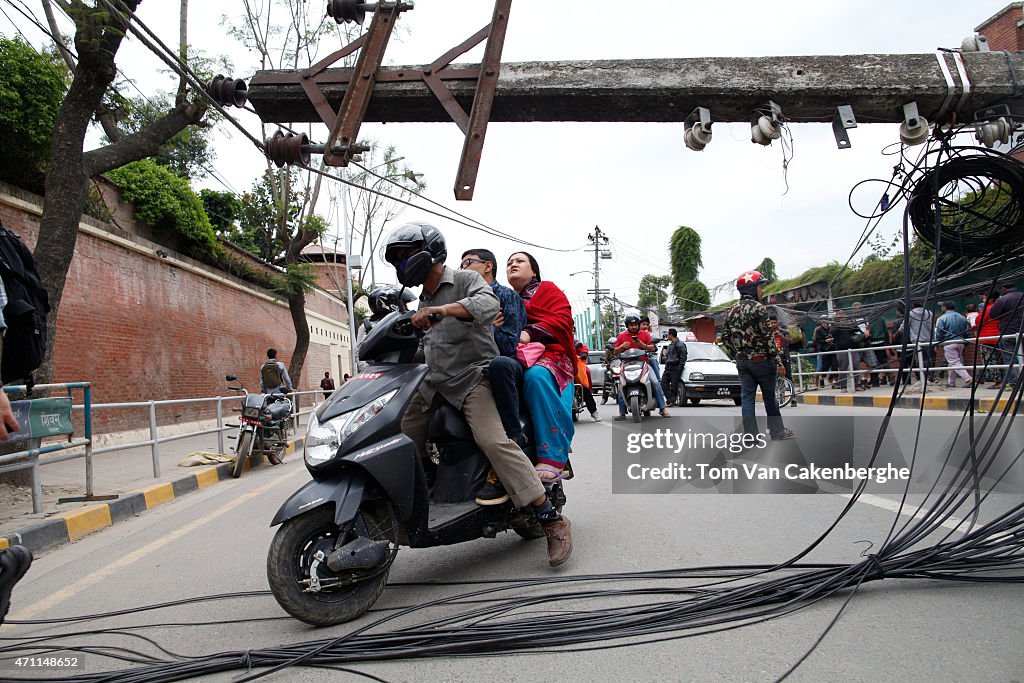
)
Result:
{"points": [[29, 459], [918, 351]]}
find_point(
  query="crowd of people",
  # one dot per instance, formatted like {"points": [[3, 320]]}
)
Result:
{"points": [[969, 344]]}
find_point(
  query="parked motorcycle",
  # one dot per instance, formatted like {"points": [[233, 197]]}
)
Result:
{"points": [[263, 424], [635, 383], [611, 380], [371, 492]]}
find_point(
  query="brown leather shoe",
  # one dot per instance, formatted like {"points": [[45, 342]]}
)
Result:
{"points": [[559, 535]]}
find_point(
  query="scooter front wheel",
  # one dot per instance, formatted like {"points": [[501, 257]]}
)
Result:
{"points": [[298, 574]]}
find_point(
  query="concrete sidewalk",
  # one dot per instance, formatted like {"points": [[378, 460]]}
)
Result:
{"points": [[937, 397], [127, 475]]}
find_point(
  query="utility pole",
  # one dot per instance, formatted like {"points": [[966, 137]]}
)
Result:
{"points": [[598, 239]]}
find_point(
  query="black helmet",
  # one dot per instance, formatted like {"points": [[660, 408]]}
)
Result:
{"points": [[414, 268], [632, 320], [388, 298]]}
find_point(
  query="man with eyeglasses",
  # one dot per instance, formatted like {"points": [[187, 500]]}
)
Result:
{"points": [[505, 373]]}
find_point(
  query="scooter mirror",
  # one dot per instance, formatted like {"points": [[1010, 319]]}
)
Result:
{"points": [[231, 378]]}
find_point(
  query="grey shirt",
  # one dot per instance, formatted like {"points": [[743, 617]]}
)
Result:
{"points": [[459, 351]]}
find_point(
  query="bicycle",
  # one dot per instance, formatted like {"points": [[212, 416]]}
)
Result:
{"points": [[784, 391]]}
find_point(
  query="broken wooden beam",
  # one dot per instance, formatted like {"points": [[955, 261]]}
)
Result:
{"points": [[808, 88]]}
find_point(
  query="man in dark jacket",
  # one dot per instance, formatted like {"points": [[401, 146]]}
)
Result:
{"points": [[1008, 311], [821, 342], [675, 361]]}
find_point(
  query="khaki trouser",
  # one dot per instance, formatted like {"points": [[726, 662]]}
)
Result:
{"points": [[517, 474]]}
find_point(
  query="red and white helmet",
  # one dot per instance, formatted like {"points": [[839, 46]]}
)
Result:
{"points": [[750, 278]]}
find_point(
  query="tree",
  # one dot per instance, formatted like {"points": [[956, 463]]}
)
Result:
{"points": [[274, 224], [371, 211], [32, 86], [287, 34], [222, 208], [684, 253], [652, 294], [98, 36], [187, 153], [767, 268]]}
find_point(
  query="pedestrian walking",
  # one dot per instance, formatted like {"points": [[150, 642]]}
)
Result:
{"points": [[327, 384], [675, 361]]}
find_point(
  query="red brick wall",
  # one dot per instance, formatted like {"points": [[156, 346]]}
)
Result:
{"points": [[1002, 31], [140, 327]]}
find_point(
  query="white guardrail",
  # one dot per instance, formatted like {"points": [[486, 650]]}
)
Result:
{"points": [[917, 351], [75, 448]]}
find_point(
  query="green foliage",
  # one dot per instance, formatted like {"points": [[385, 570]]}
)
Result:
{"points": [[684, 253], [653, 293], [265, 221], [187, 154], [298, 277], [165, 201], [32, 87], [693, 295], [824, 273], [767, 268], [222, 208]]}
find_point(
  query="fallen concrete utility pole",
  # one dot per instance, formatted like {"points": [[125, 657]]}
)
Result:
{"points": [[945, 86]]}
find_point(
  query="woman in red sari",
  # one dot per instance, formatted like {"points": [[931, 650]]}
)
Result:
{"points": [[548, 383]]}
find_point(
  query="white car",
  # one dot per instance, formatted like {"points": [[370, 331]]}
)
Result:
{"points": [[708, 373]]}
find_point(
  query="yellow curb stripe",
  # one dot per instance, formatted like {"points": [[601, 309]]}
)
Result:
{"points": [[809, 399], [87, 520], [844, 400], [934, 403], [207, 477], [157, 495], [880, 401], [4, 543]]}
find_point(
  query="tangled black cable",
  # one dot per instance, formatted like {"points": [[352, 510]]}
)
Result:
{"points": [[971, 204]]}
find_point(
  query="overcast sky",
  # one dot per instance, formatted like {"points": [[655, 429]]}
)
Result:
{"points": [[551, 183]]}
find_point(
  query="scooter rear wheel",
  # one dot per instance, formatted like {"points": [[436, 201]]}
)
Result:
{"points": [[634, 407], [291, 563]]}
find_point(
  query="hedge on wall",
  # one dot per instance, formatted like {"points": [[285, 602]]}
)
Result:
{"points": [[165, 201]]}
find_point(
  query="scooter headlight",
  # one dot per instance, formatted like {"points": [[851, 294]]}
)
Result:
{"points": [[633, 374], [322, 440]]}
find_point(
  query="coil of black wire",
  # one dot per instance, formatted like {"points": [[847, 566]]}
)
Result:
{"points": [[971, 205]]}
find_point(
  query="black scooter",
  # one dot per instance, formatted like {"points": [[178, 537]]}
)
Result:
{"points": [[370, 492]]}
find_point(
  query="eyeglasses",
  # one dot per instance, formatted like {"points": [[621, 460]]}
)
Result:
{"points": [[467, 262]]}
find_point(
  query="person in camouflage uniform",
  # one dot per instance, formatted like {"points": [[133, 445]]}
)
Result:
{"points": [[749, 339]]}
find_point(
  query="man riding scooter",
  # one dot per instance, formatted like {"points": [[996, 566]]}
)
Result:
{"points": [[457, 309], [635, 338]]}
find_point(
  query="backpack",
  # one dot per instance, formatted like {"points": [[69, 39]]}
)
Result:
{"points": [[25, 311], [270, 374]]}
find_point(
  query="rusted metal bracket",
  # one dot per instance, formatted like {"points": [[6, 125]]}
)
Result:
{"points": [[344, 124], [483, 100], [357, 96]]}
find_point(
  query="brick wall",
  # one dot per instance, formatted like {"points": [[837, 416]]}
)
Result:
{"points": [[141, 327], [1002, 30]]}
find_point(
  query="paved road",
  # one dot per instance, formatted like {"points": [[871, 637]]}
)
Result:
{"points": [[215, 541]]}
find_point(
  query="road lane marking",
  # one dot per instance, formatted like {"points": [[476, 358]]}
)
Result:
{"points": [[90, 580], [908, 509]]}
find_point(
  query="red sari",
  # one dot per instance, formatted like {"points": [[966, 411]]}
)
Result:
{"points": [[548, 309]]}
